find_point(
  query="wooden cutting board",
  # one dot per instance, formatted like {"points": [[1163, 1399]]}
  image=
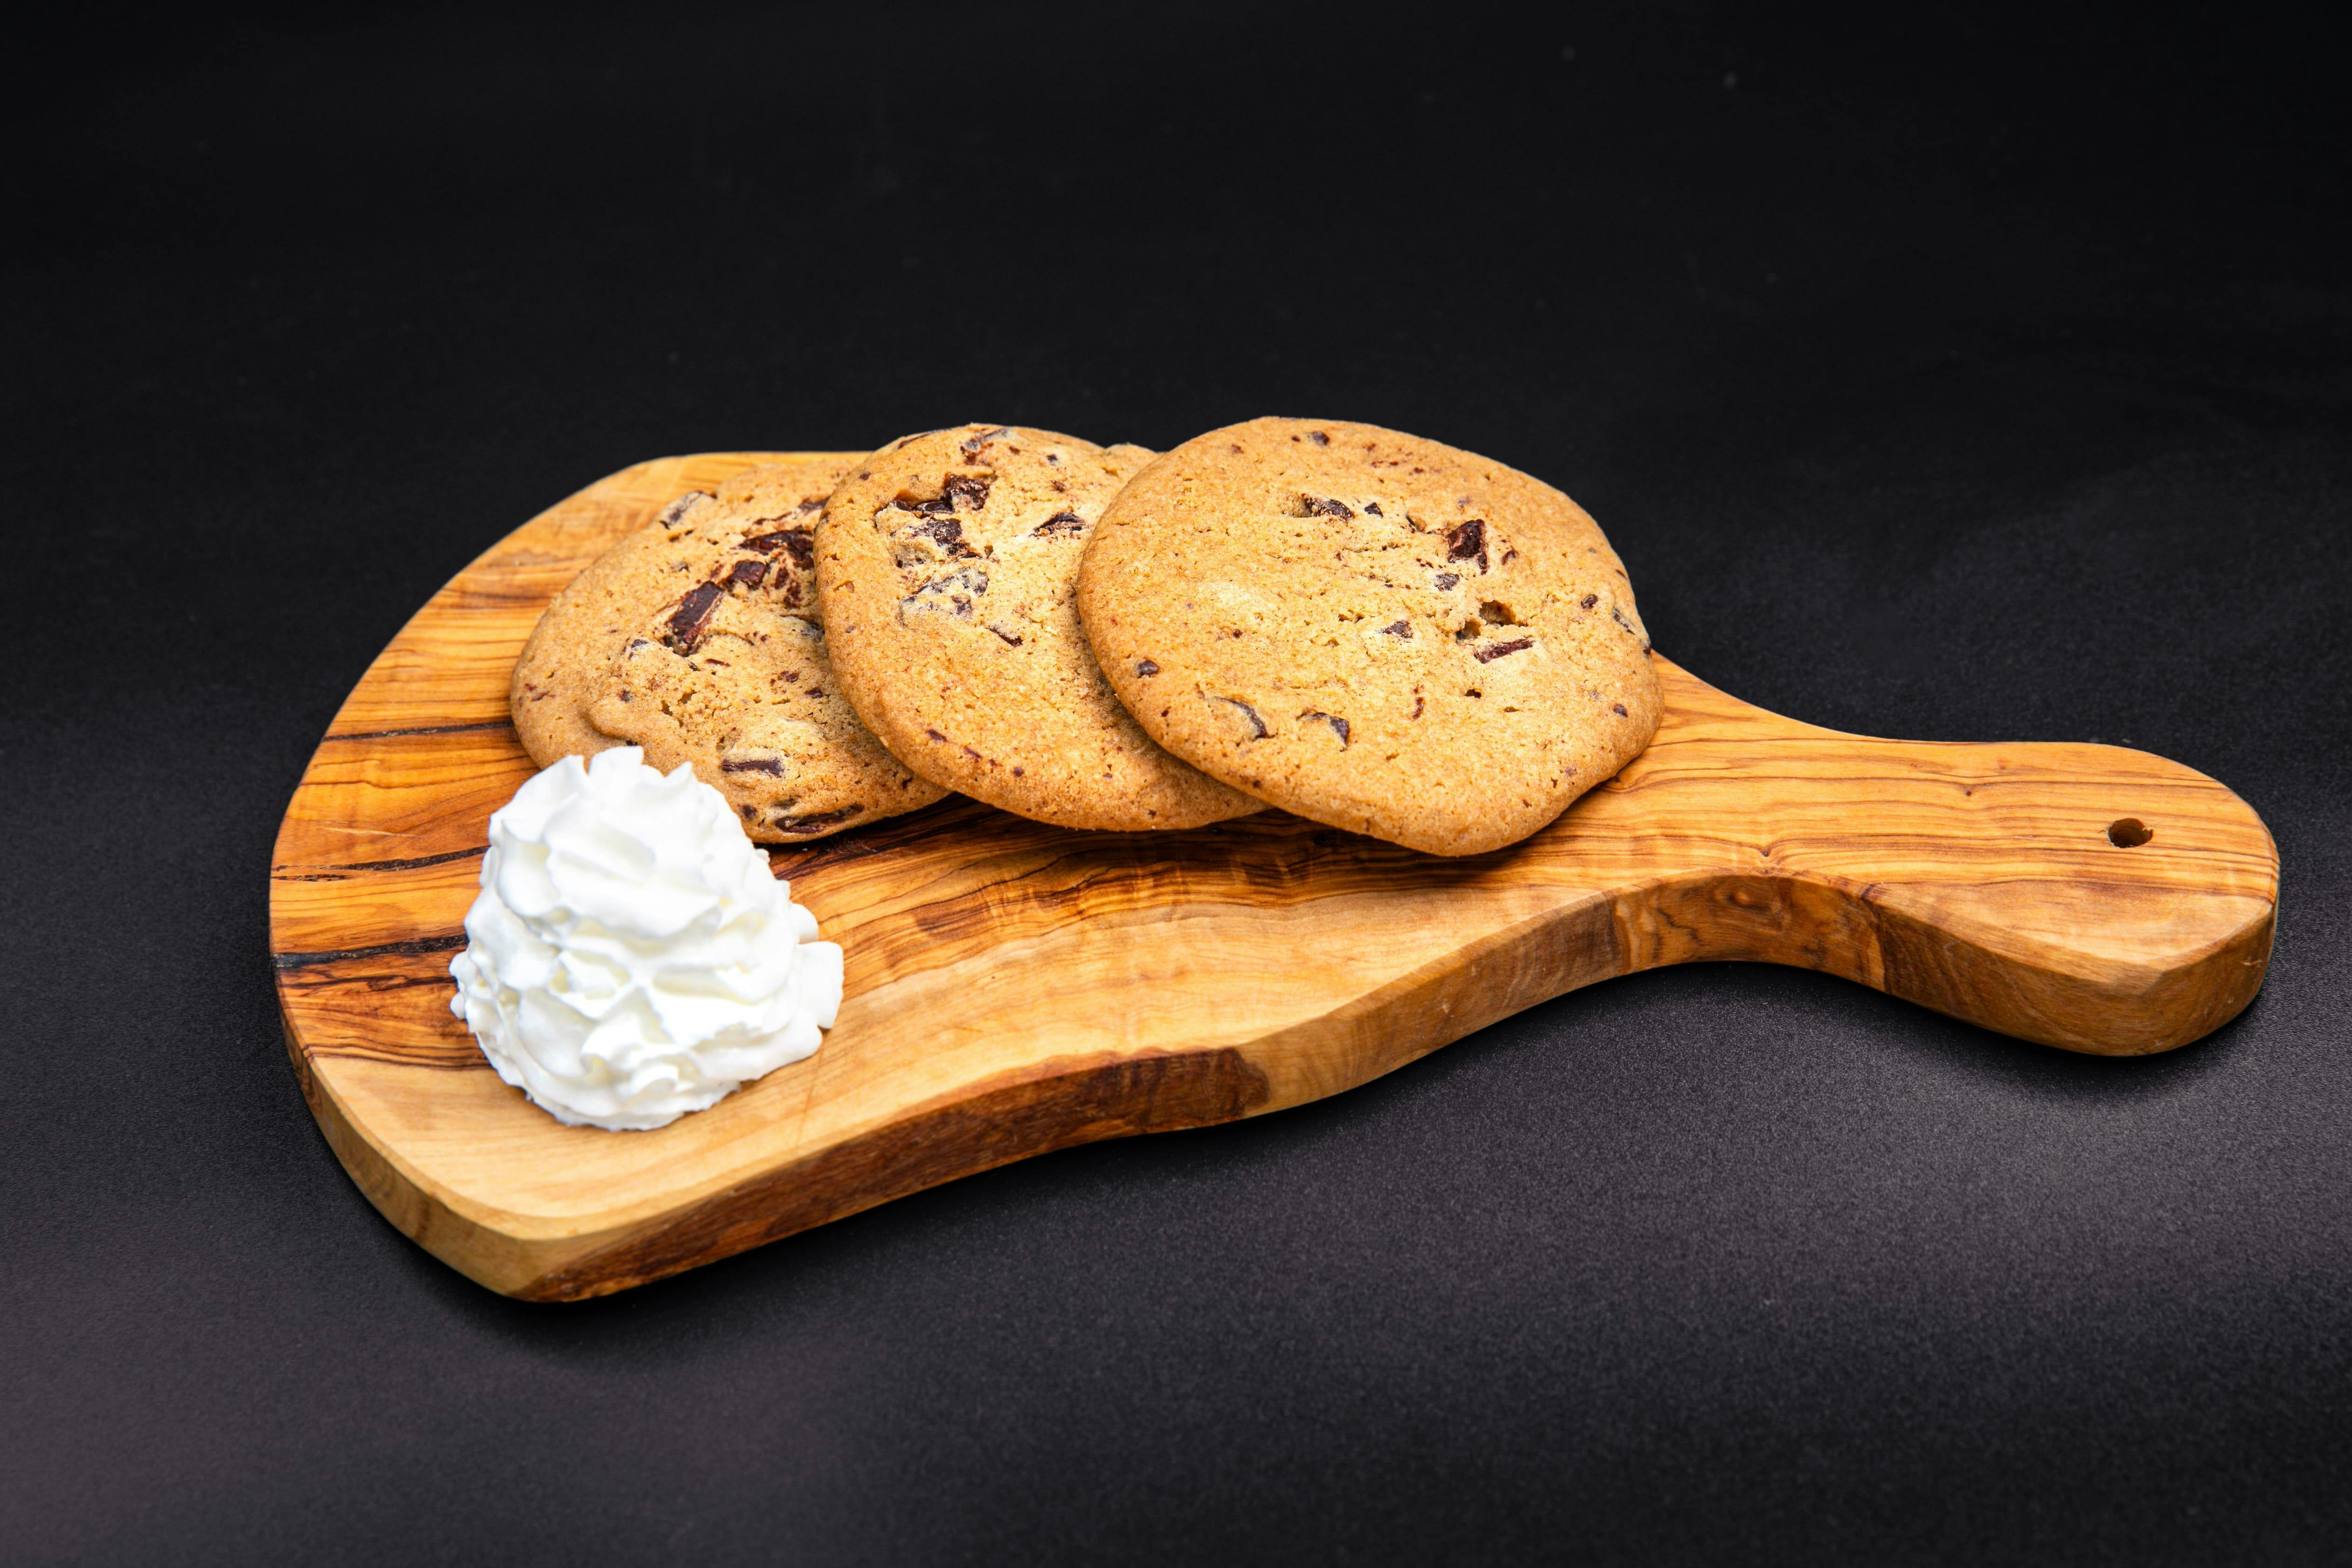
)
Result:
{"points": [[1013, 988]]}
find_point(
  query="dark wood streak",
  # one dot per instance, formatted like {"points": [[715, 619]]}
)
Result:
{"points": [[285, 960], [1056, 1106], [317, 982], [381, 1007], [415, 864], [459, 1056], [418, 729]]}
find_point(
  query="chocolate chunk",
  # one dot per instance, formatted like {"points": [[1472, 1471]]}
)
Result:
{"points": [[975, 442], [692, 616], [1064, 522], [1257, 725], [1320, 439], [1619, 616], [1398, 629], [1325, 506], [1467, 542], [967, 492], [1589, 600], [1145, 667], [815, 821], [935, 506], [1619, 709], [934, 736], [948, 595], [1373, 507], [1416, 707], [678, 509], [1008, 637], [1495, 650], [944, 531], [800, 543], [1445, 580], [768, 765], [748, 573], [1339, 725]]}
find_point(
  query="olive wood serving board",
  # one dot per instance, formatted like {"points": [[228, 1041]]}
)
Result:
{"points": [[1013, 988]]}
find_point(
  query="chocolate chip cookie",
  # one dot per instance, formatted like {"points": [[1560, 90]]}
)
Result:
{"points": [[946, 566], [1372, 630], [697, 639]]}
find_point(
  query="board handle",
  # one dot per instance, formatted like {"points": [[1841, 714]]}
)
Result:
{"points": [[2090, 896]]}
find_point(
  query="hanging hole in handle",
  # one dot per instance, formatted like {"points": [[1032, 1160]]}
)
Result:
{"points": [[2128, 833]]}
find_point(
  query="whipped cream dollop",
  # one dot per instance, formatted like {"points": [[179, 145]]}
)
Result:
{"points": [[631, 957]]}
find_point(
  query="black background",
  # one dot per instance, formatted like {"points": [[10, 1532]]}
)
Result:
{"points": [[1953, 374]]}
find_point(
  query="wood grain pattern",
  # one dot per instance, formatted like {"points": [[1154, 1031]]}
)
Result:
{"points": [[1013, 988]]}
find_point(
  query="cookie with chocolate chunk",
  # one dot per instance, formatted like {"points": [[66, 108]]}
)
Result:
{"points": [[946, 566], [1372, 630], [697, 639]]}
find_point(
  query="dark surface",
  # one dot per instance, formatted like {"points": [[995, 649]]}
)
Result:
{"points": [[1981, 375]]}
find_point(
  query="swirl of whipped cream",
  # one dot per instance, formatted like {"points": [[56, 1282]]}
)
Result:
{"points": [[630, 957]]}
